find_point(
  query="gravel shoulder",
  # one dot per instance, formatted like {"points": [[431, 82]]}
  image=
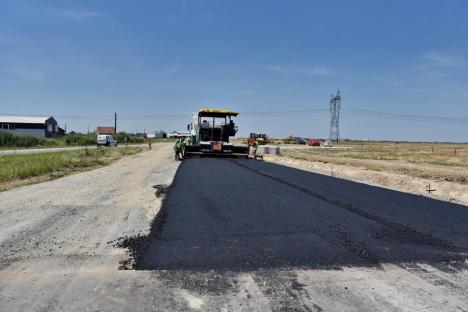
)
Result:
{"points": [[56, 237]]}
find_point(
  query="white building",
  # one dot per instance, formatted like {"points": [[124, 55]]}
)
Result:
{"points": [[29, 126], [179, 134]]}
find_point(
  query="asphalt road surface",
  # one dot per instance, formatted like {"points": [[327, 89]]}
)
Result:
{"points": [[243, 215], [246, 216], [232, 235]]}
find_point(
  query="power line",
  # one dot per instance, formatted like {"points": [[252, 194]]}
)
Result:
{"points": [[286, 112], [409, 117], [258, 114]]}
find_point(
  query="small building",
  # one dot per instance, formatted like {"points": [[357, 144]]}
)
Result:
{"points": [[61, 131], [29, 126], [179, 134], [105, 130]]}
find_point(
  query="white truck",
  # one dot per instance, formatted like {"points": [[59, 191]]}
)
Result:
{"points": [[106, 140]]}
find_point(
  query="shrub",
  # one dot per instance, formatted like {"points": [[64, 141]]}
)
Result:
{"points": [[131, 138], [10, 140], [80, 139]]}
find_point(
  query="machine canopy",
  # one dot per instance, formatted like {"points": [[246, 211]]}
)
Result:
{"points": [[206, 112]]}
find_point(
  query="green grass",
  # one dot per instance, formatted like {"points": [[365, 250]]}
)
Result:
{"points": [[13, 167]]}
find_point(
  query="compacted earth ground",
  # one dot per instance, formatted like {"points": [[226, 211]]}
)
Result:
{"points": [[227, 235]]}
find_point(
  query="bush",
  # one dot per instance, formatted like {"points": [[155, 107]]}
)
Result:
{"points": [[131, 138], [73, 139], [79, 139], [10, 140]]}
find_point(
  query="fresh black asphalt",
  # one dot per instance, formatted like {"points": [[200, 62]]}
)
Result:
{"points": [[243, 215]]}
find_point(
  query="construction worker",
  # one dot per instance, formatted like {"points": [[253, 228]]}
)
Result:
{"points": [[183, 144], [178, 149], [253, 145], [254, 149]]}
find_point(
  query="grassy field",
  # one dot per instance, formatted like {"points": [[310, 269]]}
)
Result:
{"points": [[444, 154], [24, 169], [435, 161]]}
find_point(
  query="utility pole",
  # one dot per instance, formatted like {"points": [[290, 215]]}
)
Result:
{"points": [[115, 123]]}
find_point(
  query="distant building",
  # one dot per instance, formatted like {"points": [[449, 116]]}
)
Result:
{"points": [[160, 134], [179, 134], [105, 130], [29, 126], [61, 131], [156, 135]]}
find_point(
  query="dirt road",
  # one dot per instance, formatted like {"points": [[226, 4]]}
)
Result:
{"points": [[233, 235]]}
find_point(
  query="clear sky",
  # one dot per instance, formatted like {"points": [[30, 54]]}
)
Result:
{"points": [[83, 60]]}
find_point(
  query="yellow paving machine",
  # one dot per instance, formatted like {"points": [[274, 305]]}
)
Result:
{"points": [[211, 131]]}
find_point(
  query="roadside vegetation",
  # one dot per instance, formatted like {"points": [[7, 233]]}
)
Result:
{"points": [[18, 170], [73, 139]]}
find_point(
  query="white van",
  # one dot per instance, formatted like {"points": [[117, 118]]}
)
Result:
{"points": [[106, 140]]}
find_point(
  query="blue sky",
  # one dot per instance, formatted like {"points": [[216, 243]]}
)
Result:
{"points": [[83, 60]]}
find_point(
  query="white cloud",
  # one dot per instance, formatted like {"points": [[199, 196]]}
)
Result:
{"points": [[6, 38], [80, 14], [316, 70], [434, 59], [32, 74], [442, 65], [174, 68]]}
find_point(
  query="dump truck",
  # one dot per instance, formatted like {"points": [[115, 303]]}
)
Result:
{"points": [[211, 130]]}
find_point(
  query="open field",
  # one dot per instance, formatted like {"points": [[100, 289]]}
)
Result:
{"points": [[446, 154], [16, 170], [438, 161]]}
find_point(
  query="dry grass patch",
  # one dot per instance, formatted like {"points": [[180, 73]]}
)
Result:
{"points": [[444, 154], [438, 161], [16, 170]]}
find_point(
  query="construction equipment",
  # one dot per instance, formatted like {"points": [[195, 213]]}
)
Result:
{"points": [[260, 138], [211, 130], [294, 140]]}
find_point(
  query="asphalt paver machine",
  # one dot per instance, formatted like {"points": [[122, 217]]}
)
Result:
{"points": [[211, 131]]}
